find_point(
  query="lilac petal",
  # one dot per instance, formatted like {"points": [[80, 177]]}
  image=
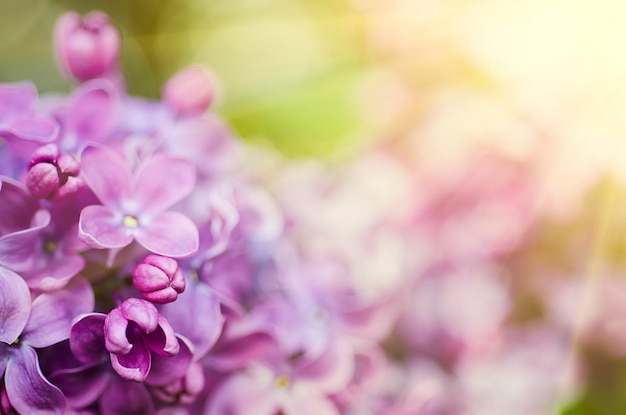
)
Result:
{"points": [[17, 206], [124, 397], [163, 181], [163, 340], [100, 227], [17, 248], [56, 274], [28, 390], [107, 174], [92, 111], [14, 305], [241, 394], [17, 98], [169, 234], [83, 385], [87, 337], [51, 315], [115, 326], [41, 128], [197, 300], [166, 369], [135, 364], [141, 312]]}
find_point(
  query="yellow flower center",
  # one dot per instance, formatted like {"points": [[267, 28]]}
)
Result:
{"points": [[50, 247], [130, 222], [282, 382]]}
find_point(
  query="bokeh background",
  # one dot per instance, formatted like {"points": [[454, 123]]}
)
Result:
{"points": [[541, 83]]}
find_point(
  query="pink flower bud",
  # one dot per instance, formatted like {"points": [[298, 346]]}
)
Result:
{"points": [[159, 279], [52, 175], [86, 48], [190, 91]]}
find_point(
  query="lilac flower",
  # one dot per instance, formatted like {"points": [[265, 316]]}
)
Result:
{"points": [[159, 279], [97, 371], [86, 48], [26, 327], [134, 206], [275, 383]]}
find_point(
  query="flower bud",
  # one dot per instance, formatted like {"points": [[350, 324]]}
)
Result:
{"points": [[190, 91], [159, 279], [52, 175], [86, 48]]}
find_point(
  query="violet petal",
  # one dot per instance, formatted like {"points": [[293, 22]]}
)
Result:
{"points": [[87, 337], [124, 397], [100, 227], [15, 303], [107, 174], [52, 313], [135, 364], [170, 234], [28, 390], [166, 369], [162, 181]]}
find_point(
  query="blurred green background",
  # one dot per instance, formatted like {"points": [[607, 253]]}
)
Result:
{"points": [[289, 69]]}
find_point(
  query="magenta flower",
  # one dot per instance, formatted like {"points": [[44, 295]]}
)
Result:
{"points": [[86, 48], [134, 205]]}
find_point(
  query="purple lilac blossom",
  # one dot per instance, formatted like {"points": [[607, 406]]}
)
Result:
{"points": [[368, 288], [134, 206]]}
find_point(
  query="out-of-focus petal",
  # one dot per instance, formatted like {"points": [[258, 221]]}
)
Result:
{"points": [[17, 97], [52, 313], [92, 110], [125, 397], [34, 127], [28, 390], [241, 394], [100, 227], [163, 181], [14, 305], [170, 234]]}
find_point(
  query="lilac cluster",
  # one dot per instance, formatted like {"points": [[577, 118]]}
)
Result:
{"points": [[145, 269]]}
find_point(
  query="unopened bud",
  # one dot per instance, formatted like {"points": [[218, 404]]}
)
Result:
{"points": [[190, 91], [52, 175], [86, 48], [159, 279]]}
